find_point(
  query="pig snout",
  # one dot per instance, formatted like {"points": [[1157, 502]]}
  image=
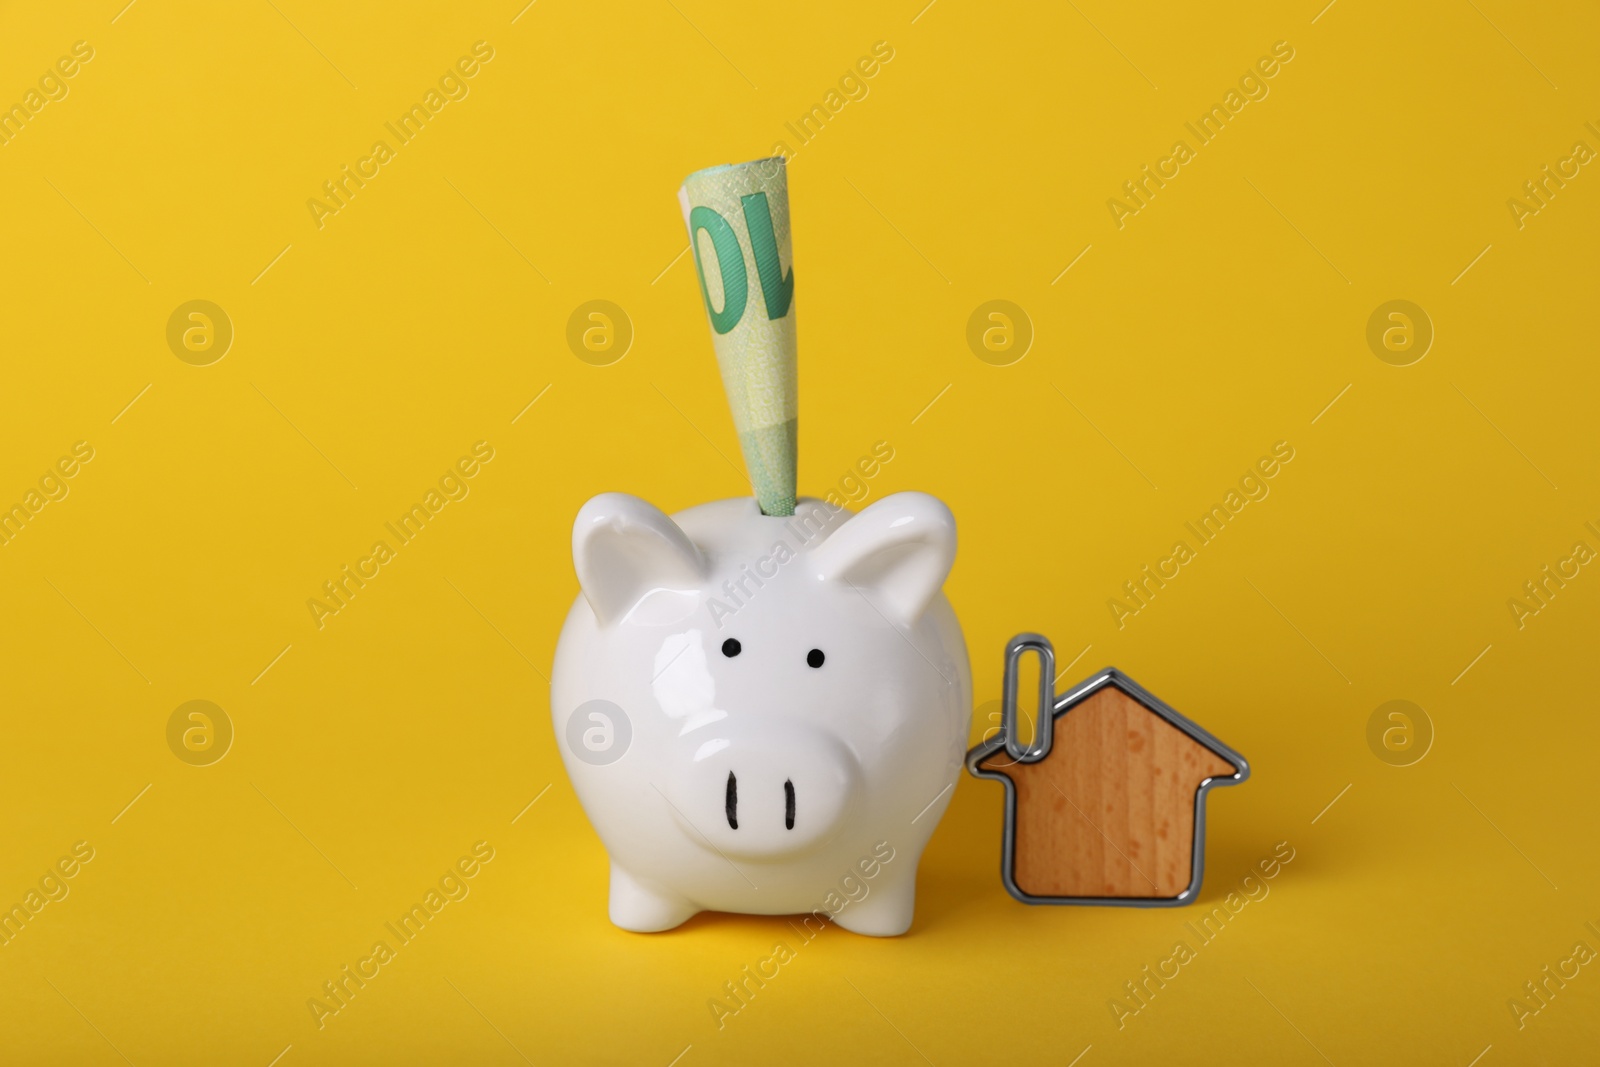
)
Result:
{"points": [[767, 796]]}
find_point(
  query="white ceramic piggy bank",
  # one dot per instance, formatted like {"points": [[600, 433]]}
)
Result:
{"points": [[759, 714]]}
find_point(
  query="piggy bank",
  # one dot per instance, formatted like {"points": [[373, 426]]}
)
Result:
{"points": [[759, 714]]}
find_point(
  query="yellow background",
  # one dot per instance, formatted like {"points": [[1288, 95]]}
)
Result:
{"points": [[431, 310]]}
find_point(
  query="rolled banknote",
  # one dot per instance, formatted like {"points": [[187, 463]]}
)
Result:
{"points": [[738, 219]]}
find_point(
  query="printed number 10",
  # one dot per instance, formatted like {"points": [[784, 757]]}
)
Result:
{"points": [[777, 288]]}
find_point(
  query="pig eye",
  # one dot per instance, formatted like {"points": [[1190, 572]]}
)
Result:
{"points": [[732, 648], [815, 657]]}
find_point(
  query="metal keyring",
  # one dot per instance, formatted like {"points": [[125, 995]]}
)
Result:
{"points": [[1047, 700]]}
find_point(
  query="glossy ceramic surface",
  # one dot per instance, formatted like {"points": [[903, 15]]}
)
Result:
{"points": [[759, 714]]}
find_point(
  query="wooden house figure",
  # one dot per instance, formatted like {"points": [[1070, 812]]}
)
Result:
{"points": [[1107, 804]]}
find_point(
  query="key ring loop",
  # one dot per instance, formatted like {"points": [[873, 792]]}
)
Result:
{"points": [[1015, 648]]}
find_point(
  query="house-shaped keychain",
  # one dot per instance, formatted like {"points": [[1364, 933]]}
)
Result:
{"points": [[1106, 805]]}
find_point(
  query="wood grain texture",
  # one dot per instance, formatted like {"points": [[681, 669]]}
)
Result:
{"points": [[1110, 811]]}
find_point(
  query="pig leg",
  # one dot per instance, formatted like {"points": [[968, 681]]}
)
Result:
{"points": [[645, 908], [886, 909]]}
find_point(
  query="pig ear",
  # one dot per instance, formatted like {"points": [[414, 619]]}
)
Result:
{"points": [[897, 553], [624, 549]]}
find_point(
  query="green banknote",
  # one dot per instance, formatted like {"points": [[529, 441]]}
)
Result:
{"points": [[738, 219]]}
